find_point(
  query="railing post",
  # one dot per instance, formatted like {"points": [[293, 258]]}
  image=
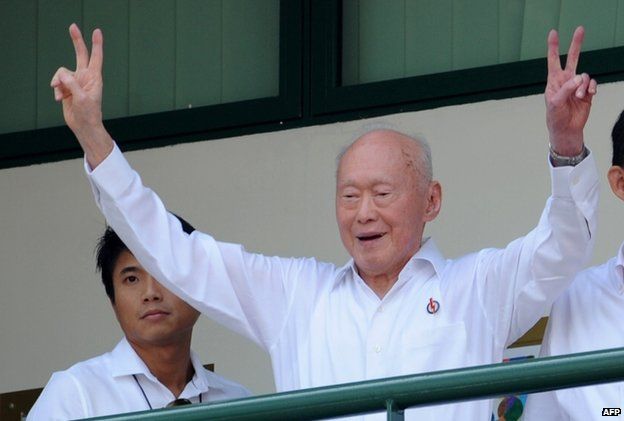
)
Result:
{"points": [[394, 413]]}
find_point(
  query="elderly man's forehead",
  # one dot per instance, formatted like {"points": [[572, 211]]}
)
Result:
{"points": [[384, 135], [387, 141]]}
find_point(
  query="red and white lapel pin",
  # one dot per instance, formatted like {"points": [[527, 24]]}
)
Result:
{"points": [[433, 306]]}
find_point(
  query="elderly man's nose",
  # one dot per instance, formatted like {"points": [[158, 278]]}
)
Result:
{"points": [[367, 210]]}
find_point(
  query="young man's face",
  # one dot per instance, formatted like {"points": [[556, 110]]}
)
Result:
{"points": [[148, 313]]}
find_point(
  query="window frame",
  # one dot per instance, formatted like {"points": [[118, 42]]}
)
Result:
{"points": [[309, 93], [178, 126], [430, 91]]}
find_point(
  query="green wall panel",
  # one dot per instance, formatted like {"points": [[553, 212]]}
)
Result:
{"points": [[350, 42], [382, 40], [54, 49], [428, 36], [475, 33], [198, 53], [510, 24], [18, 67], [599, 22], [111, 16], [618, 36], [152, 56], [540, 16], [250, 49]]}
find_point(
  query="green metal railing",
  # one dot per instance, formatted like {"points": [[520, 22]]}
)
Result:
{"points": [[396, 393]]}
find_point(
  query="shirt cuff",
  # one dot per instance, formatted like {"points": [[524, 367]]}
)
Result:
{"points": [[574, 182], [113, 175]]}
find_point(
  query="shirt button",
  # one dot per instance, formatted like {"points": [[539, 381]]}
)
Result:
{"points": [[380, 309], [377, 349]]}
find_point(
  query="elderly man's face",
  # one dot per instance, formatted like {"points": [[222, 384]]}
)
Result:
{"points": [[382, 203]]}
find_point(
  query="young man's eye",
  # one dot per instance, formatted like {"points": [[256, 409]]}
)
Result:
{"points": [[131, 279]]}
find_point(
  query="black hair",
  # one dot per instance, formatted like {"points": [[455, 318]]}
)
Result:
{"points": [[617, 137], [108, 250]]}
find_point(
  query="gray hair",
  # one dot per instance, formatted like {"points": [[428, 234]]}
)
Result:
{"points": [[424, 165]]}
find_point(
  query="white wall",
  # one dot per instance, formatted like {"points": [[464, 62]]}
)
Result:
{"points": [[274, 193]]}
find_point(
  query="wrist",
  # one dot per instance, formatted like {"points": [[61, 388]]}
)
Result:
{"points": [[96, 144], [559, 160], [566, 143]]}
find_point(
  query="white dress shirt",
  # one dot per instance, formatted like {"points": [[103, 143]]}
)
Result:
{"points": [[322, 325], [106, 385], [589, 316]]}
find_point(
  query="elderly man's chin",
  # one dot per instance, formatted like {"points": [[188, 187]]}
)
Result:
{"points": [[374, 264]]}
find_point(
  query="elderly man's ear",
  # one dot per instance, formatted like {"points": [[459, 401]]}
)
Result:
{"points": [[434, 201], [616, 180]]}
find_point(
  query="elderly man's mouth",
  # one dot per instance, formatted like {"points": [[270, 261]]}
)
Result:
{"points": [[370, 237]]}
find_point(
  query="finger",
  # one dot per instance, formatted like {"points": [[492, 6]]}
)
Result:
{"points": [[575, 49], [97, 51], [581, 90], [69, 82], [593, 87], [82, 53], [567, 90], [554, 63], [56, 83]]}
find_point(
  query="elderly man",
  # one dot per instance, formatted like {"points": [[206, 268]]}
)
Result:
{"points": [[398, 307]]}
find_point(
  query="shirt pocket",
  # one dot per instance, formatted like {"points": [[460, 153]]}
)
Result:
{"points": [[431, 349]]}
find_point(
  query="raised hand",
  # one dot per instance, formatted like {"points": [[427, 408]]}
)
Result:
{"points": [[80, 92], [568, 96]]}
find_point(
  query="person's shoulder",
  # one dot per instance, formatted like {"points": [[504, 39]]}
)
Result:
{"points": [[91, 368], [226, 385], [60, 398], [66, 395], [595, 280]]}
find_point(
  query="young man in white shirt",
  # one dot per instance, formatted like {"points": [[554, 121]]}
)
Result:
{"points": [[587, 317], [152, 367], [398, 306]]}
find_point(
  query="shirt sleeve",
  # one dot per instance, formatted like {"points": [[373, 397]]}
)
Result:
{"points": [[248, 293], [518, 284], [61, 399]]}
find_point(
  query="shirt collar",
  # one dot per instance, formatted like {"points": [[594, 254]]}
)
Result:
{"points": [[127, 362], [428, 252], [619, 269], [201, 378]]}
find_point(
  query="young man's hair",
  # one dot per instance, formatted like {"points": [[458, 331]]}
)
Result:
{"points": [[108, 250], [617, 137]]}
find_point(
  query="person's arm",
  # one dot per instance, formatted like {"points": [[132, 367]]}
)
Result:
{"points": [[568, 97], [61, 399], [246, 292], [520, 282]]}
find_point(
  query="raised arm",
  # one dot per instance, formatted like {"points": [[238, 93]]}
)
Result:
{"points": [[568, 97], [80, 92], [531, 272]]}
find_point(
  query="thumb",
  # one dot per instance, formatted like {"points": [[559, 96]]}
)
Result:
{"points": [[567, 90], [70, 84]]}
